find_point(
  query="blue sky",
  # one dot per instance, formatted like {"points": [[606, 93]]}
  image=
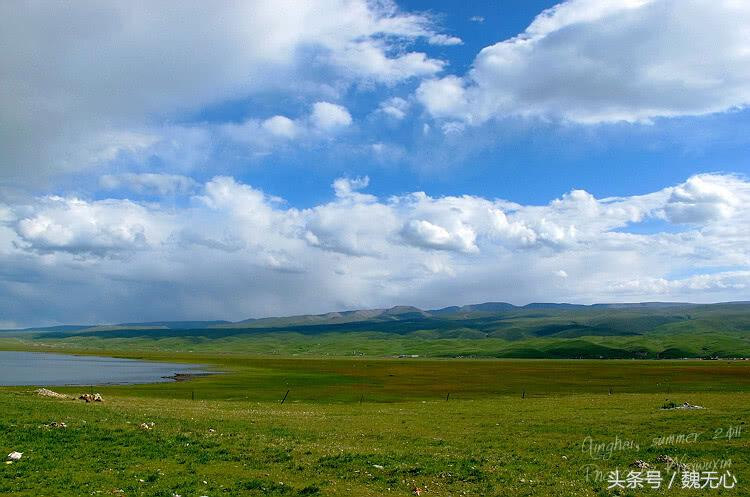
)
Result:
{"points": [[528, 162], [579, 151]]}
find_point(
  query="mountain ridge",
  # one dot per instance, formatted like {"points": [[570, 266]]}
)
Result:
{"points": [[395, 313], [656, 330]]}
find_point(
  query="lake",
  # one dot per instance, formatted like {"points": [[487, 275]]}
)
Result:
{"points": [[42, 369]]}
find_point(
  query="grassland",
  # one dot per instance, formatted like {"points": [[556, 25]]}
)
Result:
{"points": [[357, 420], [619, 331], [371, 427]]}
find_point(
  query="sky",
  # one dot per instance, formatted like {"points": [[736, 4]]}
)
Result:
{"points": [[227, 160]]}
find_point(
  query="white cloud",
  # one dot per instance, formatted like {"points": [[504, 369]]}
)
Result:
{"points": [[6, 214], [280, 126], [444, 97], [453, 128], [444, 40], [737, 281], [78, 79], [329, 117], [324, 119], [702, 199], [346, 187], [371, 61], [260, 257], [395, 107], [106, 227], [590, 61], [425, 234]]}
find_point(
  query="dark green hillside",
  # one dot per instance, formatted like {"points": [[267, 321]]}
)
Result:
{"points": [[495, 329]]}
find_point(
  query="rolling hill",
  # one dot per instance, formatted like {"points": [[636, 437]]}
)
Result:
{"points": [[491, 329]]}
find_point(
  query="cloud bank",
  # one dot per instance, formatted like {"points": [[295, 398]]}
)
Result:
{"points": [[232, 251]]}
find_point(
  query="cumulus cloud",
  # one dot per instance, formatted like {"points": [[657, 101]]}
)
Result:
{"points": [[260, 257], [75, 226], [324, 119], [425, 234], [444, 97], [346, 187], [589, 61], [328, 117], [280, 126], [77, 79], [395, 107], [702, 199]]}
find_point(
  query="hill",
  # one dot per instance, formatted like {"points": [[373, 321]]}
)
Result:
{"points": [[491, 329]]}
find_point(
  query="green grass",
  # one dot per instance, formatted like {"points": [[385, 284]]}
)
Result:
{"points": [[499, 446], [718, 330], [347, 417], [424, 343]]}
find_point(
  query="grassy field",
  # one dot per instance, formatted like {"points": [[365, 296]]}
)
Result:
{"points": [[490, 330], [371, 427]]}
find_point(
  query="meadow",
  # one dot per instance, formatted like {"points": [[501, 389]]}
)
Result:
{"points": [[379, 426], [489, 330]]}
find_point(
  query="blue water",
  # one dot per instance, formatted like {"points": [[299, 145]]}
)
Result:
{"points": [[42, 369]]}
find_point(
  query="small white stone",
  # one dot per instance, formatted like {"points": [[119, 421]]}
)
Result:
{"points": [[15, 456]]}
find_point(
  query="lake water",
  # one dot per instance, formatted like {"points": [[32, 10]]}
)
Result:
{"points": [[42, 369]]}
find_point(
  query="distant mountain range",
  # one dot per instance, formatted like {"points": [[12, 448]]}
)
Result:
{"points": [[393, 314], [491, 329]]}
